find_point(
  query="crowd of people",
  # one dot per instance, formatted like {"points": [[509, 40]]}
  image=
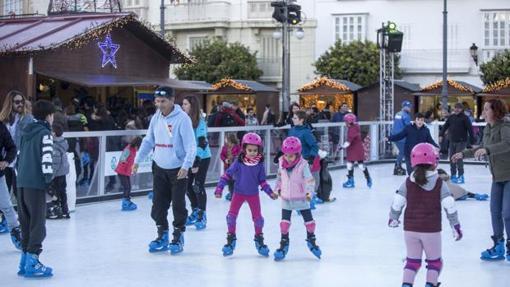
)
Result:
{"points": [[177, 135]]}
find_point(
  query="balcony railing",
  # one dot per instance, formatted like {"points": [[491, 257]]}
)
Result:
{"points": [[271, 67], [198, 12], [431, 60]]}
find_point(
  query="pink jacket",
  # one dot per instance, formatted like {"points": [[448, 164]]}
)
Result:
{"points": [[236, 150], [297, 184], [355, 150]]}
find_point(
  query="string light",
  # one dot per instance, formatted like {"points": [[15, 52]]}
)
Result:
{"points": [[324, 81], [497, 86], [231, 83], [109, 49], [451, 83]]}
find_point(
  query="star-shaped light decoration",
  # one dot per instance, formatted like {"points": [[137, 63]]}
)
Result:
{"points": [[109, 49]]}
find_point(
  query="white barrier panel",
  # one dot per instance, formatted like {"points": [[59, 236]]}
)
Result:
{"points": [[112, 159], [70, 180]]}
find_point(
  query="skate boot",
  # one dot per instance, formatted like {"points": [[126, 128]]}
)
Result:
{"points": [[192, 218], [369, 182], [395, 170], [259, 244], [349, 183], [128, 205], [55, 211], [281, 252], [34, 268], [310, 239], [16, 237], [401, 171], [228, 249], [177, 244], [497, 252], [201, 222], [481, 196], [460, 179], [150, 195], [160, 243], [432, 285], [407, 285], [228, 196], [3, 225], [454, 179], [22, 262]]}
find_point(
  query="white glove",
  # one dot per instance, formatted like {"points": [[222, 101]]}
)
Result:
{"points": [[322, 153], [346, 144]]}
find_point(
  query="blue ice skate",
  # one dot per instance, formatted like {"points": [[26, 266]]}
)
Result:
{"points": [[201, 221], [22, 263], [481, 196], [177, 244], [349, 183], [34, 268], [192, 218], [228, 249], [150, 195], [128, 205], [262, 249], [3, 226], [159, 244], [281, 252], [460, 180], [312, 245], [497, 252], [369, 182]]}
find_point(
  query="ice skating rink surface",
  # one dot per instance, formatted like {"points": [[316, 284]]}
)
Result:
{"points": [[102, 246]]}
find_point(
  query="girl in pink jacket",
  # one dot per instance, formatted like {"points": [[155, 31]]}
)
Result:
{"points": [[355, 151], [295, 184]]}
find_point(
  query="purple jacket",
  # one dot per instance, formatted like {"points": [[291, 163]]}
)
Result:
{"points": [[247, 179]]}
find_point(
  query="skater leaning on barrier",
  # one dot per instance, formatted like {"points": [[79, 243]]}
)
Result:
{"points": [[171, 136], [496, 147]]}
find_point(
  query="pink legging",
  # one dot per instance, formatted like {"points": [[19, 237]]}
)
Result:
{"points": [[236, 203], [416, 243]]}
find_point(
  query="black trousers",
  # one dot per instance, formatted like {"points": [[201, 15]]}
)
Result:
{"points": [[306, 213], [454, 148], [10, 178], [168, 190], [32, 218], [60, 185], [196, 189], [125, 181]]}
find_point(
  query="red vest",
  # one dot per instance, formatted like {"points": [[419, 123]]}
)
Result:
{"points": [[423, 211]]}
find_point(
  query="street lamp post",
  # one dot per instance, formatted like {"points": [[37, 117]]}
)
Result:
{"points": [[444, 89], [286, 62], [162, 19]]}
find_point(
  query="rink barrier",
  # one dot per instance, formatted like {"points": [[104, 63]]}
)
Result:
{"points": [[380, 152]]}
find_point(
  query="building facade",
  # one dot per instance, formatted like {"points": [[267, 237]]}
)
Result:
{"points": [[486, 23]]}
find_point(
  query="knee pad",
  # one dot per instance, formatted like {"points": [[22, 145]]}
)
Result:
{"points": [[362, 166], [413, 264], [436, 264], [349, 165], [259, 222], [231, 219], [310, 226], [284, 226]]}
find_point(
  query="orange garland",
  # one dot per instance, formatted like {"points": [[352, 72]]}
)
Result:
{"points": [[231, 83], [452, 83], [323, 81], [498, 85]]}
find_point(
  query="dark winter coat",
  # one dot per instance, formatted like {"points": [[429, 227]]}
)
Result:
{"points": [[413, 136], [7, 146], [35, 161], [459, 128], [309, 145]]}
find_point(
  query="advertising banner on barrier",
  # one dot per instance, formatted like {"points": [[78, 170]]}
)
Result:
{"points": [[112, 159]]}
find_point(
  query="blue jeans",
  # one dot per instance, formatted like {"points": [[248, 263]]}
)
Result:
{"points": [[400, 156], [500, 208], [6, 205]]}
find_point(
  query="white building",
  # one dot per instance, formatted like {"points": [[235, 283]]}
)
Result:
{"points": [[483, 22], [246, 21], [19, 7]]}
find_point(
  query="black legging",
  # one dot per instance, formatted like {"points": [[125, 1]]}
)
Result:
{"points": [[10, 179], [125, 181], [198, 197], [306, 213]]}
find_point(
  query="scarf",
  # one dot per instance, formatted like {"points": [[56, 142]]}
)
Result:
{"points": [[288, 165], [252, 161]]}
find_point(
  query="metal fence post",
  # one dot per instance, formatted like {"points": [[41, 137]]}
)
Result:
{"points": [[341, 142], [374, 143], [220, 144], [101, 164]]}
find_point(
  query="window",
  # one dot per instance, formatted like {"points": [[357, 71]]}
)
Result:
{"points": [[195, 40], [259, 9], [13, 6], [496, 29], [350, 28], [270, 48]]}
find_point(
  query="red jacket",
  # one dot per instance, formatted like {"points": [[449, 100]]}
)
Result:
{"points": [[355, 150], [126, 161]]}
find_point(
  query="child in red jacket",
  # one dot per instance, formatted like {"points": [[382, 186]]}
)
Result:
{"points": [[124, 171], [229, 153], [355, 151]]}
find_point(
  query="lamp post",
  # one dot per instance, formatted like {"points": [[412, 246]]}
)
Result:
{"points": [[162, 19], [473, 50], [444, 89]]}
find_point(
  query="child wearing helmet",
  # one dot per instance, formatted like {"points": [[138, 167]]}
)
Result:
{"points": [[295, 184], [355, 151], [249, 172], [424, 194]]}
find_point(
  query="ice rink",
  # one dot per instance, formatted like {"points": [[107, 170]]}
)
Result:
{"points": [[102, 246]]}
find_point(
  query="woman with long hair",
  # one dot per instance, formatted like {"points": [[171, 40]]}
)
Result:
{"points": [[197, 174]]}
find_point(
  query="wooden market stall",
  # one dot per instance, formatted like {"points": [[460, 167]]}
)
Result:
{"points": [[429, 98], [369, 101], [499, 89], [246, 94], [324, 91]]}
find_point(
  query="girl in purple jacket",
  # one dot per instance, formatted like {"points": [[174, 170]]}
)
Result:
{"points": [[424, 194], [248, 172], [295, 184]]}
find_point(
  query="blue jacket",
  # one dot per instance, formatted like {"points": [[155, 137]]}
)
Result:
{"points": [[201, 139], [413, 136], [402, 119], [308, 141], [172, 139]]}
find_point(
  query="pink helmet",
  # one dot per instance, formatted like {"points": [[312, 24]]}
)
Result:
{"points": [[252, 138], [350, 118], [424, 153], [291, 145]]}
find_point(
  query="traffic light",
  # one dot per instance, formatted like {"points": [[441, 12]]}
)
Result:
{"points": [[279, 11], [293, 14]]}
